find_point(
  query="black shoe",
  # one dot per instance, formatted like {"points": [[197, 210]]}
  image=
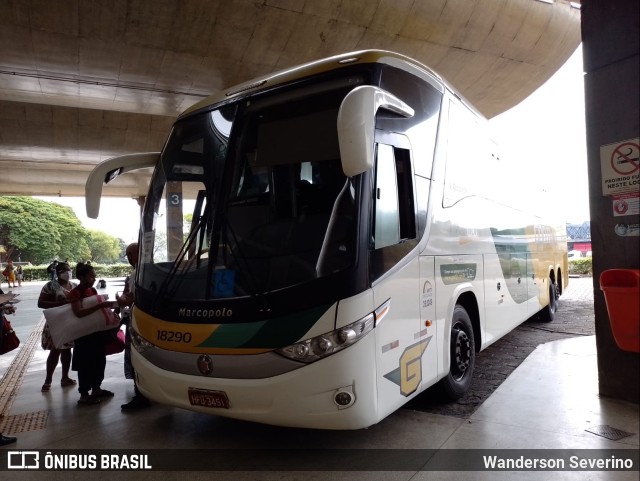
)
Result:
{"points": [[138, 402], [4, 440]]}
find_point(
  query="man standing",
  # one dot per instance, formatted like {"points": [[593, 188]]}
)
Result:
{"points": [[51, 269], [139, 401]]}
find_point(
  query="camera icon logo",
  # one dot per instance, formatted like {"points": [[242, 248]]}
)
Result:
{"points": [[23, 460]]}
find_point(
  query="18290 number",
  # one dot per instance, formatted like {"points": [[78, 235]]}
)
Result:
{"points": [[174, 336]]}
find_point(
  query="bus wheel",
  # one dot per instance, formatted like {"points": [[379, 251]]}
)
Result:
{"points": [[463, 356], [549, 312], [559, 287]]}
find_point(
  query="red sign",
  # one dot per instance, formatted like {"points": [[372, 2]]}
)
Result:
{"points": [[625, 158]]}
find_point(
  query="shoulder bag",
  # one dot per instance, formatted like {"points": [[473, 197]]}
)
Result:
{"points": [[9, 339]]}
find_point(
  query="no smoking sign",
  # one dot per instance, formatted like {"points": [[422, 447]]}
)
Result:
{"points": [[620, 165]]}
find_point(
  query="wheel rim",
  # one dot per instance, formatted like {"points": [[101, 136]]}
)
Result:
{"points": [[461, 352]]}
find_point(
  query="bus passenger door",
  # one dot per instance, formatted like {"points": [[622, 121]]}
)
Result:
{"points": [[395, 274]]}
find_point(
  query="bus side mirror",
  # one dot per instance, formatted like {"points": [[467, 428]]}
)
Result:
{"points": [[357, 123], [107, 171]]}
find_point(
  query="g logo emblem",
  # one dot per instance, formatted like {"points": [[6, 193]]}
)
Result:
{"points": [[411, 367]]}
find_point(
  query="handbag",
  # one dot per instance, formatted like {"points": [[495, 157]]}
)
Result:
{"points": [[9, 339], [115, 344]]}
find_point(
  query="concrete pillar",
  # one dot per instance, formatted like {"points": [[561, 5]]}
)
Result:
{"points": [[611, 42]]}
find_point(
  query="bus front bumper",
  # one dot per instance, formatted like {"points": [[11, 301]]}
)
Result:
{"points": [[308, 397]]}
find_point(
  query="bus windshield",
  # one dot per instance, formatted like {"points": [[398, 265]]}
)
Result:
{"points": [[250, 198]]}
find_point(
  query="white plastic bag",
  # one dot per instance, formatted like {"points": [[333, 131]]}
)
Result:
{"points": [[64, 326]]}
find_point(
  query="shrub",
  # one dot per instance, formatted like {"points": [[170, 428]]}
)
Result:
{"points": [[582, 266], [39, 273]]}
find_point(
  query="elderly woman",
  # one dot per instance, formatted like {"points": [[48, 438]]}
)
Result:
{"points": [[54, 293]]}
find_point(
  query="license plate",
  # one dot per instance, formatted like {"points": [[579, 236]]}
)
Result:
{"points": [[208, 399]]}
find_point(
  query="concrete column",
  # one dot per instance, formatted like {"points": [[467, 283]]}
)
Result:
{"points": [[611, 42]]}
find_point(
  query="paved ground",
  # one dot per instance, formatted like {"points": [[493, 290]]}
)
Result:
{"points": [[575, 317]]}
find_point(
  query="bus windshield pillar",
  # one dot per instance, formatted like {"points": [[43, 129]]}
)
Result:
{"points": [[175, 222]]}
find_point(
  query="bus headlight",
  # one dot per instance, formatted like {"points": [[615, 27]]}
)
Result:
{"points": [[138, 342], [321, 345], [318, 347]]}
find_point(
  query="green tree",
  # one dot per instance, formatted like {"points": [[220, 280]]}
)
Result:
{"points": [[104, 248], [38, 231]]}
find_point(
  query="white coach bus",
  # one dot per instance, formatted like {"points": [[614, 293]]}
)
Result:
{"points": [[320, 245]]}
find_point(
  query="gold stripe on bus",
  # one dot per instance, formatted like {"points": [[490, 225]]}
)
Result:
{"points": [[183, 337]]}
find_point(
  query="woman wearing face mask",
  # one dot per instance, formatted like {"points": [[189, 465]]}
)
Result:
{"points": [[55, 293]]}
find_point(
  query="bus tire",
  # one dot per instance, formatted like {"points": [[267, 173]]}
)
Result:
{"points": [[549, 311], [463, 356]]}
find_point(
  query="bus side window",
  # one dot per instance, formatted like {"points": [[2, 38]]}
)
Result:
{"points": [[394, 223]]}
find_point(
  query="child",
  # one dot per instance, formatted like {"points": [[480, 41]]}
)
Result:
{"points": [[89, 358]]}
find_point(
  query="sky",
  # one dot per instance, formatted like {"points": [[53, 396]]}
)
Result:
{"points": [[546, 130], [118, 216]]}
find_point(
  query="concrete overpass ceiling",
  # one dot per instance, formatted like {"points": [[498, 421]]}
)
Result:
{"points": [[84, 80]]}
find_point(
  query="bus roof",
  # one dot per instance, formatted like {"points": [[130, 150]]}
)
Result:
{"points": [[318, 67]]}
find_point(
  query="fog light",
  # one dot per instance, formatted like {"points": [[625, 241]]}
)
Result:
{"points": [[344, 398]]}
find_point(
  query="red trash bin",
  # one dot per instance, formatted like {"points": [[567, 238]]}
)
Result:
{"points": [[621, 289]]}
